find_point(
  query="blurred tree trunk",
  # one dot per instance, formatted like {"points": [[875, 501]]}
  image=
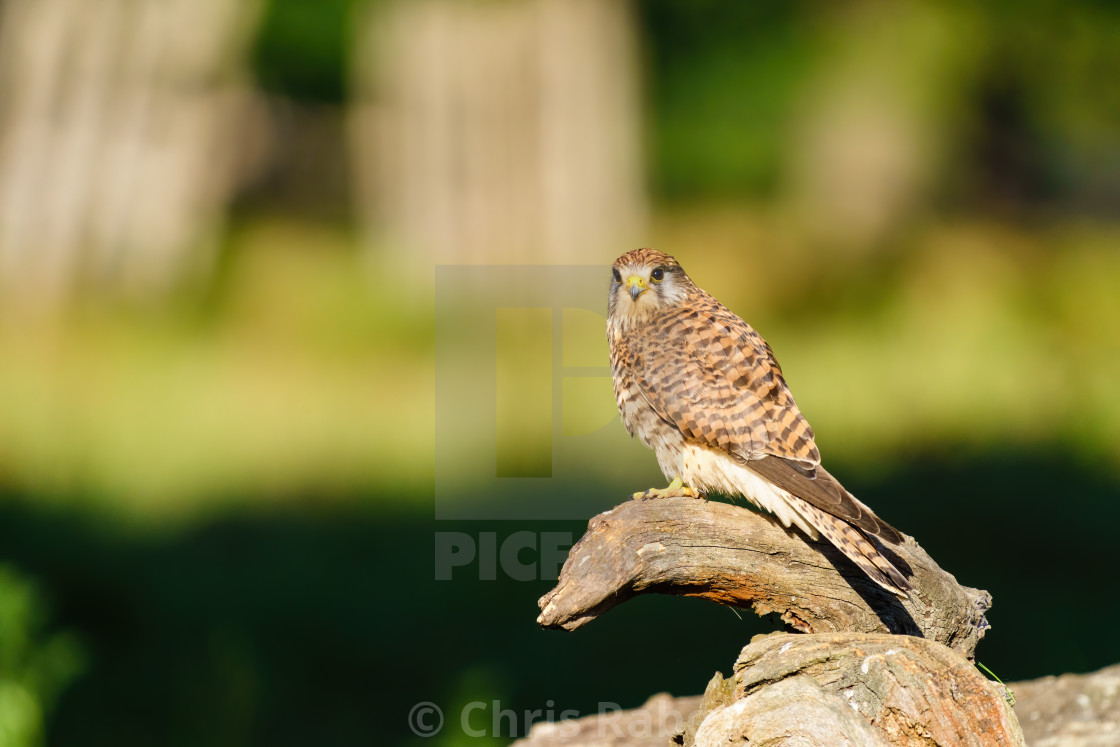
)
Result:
{"points": [[501, 131], [116, 140]]}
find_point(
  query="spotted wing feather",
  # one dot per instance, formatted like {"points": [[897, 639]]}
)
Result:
{"points": [[711, 375]]}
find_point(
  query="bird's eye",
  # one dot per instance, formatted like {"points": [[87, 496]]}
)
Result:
{"points": [[657, 275], [617, 276]]}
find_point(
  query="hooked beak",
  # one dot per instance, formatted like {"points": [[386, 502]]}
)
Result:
{"points": [[635, 286]]}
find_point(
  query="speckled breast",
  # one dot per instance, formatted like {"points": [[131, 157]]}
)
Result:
{"points": [[638, 417]]}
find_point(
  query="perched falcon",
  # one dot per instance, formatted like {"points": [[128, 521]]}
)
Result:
{"points": [[702, 389]]}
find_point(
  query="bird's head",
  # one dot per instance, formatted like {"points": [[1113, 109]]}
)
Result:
{"points": [[643, 282]]}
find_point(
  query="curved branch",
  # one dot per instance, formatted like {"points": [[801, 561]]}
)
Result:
{"points": [[737, 557]]}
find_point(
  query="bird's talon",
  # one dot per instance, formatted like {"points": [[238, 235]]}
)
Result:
{"points": [[676, 489]]}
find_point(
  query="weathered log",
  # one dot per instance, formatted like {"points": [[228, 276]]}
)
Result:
{"points": [[1073, 710], [830, 689], [912, 691], [737, 557], [796, 710]]}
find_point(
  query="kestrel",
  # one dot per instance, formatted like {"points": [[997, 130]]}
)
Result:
{"points": [[702, 389]]}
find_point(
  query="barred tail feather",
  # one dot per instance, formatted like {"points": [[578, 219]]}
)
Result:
{"points": [[855, 544]]}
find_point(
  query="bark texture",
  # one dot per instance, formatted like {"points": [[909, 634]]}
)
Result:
{"points": [[1072, 710], [904, 691], [794, 710], [855, 689], [737, 557]]}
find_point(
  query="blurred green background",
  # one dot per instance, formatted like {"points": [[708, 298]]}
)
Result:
{"points": [[219, 231]]}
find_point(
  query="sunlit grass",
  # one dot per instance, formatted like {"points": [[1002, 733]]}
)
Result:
{"points": [[306, 377], [308, 371]]}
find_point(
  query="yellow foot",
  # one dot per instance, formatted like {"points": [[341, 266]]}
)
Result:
{"points": [[676, 489]]}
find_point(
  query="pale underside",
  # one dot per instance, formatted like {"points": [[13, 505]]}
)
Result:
{"points": [[708, 469], [711, 470]]}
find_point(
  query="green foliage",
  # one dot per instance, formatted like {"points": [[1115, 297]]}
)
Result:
{"points": [[35, 664], [1027, 117], [1007, 694], [302, 49], [727, 82], [722, 82]]}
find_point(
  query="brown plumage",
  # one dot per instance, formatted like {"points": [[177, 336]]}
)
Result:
{"points": [[701, 388]]}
